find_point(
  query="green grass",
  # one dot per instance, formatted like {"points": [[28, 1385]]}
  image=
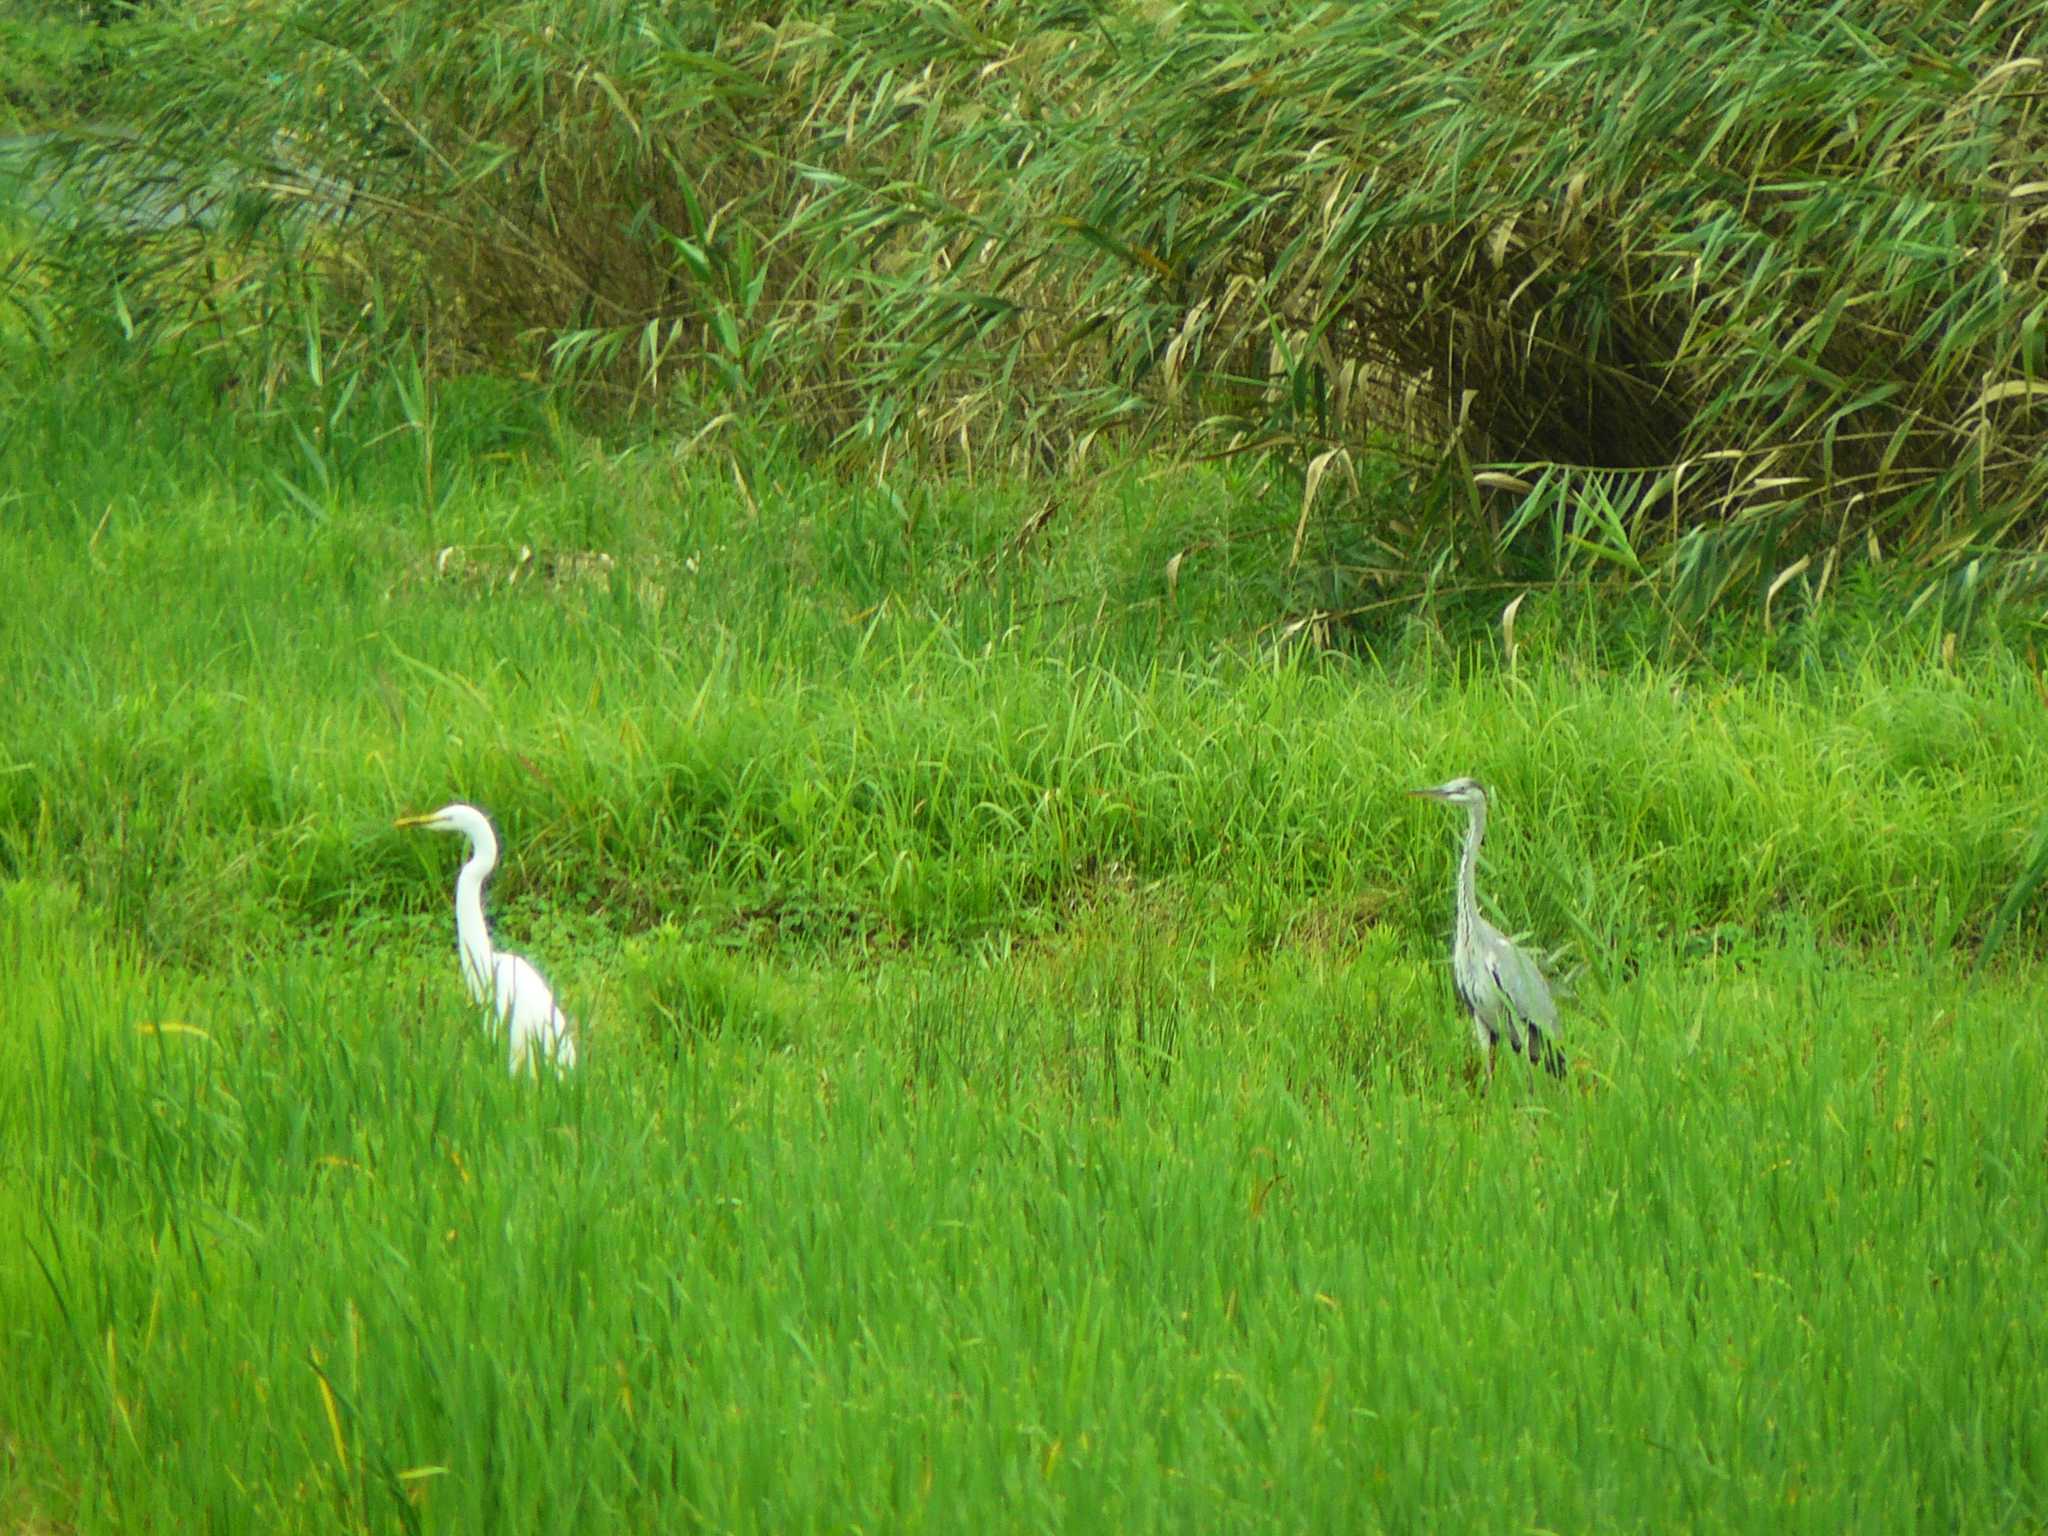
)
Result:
{"points": [[956, 1248], [1023, 1088]]}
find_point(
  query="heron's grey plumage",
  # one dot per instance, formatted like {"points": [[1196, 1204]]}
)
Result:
{"points": [[1497, 981]]}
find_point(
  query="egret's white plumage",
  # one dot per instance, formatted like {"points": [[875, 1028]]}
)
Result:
{"points": [[1496, 979], [503, 983]]}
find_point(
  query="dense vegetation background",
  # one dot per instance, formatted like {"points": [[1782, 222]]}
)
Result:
{"points": [[1730, 295]]}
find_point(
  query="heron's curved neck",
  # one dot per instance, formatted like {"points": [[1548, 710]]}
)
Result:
{"points": [[1468, 867], [471, 936]]}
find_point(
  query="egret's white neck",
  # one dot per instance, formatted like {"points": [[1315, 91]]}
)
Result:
{"points": [[1468, 868], [471, 935]]}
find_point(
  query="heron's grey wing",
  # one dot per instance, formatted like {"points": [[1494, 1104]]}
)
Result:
{"points": [[1519, 990], [1527, 992], [1517, 982]]}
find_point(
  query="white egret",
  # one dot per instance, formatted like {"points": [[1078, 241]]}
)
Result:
{"points": [[501, 982], [1497, 981]]}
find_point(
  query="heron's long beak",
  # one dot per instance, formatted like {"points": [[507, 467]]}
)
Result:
{"points": [[414, 821], [1428, 794]]}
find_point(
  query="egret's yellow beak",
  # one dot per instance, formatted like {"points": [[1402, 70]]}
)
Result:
{"points": [[414, 821]]}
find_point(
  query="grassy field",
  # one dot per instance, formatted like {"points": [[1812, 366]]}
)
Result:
{"points": [[1023, 1088]]}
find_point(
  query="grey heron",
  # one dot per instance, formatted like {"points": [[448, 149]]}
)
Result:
{"points": [[1497, 980], [503, 983]]}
